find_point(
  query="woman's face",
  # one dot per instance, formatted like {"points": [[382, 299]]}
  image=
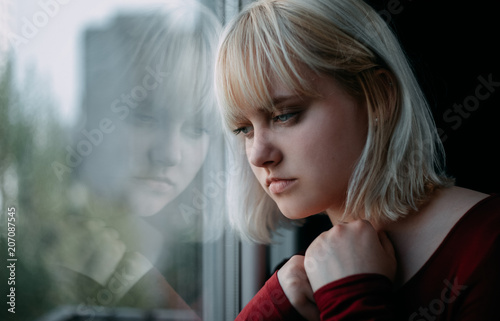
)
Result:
{"points": [[166, 150], [304, 154]]}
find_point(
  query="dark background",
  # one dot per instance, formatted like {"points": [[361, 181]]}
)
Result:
{"points": [[450, 45]]}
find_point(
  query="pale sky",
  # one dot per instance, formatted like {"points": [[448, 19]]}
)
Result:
{"points": [[50, 40]]}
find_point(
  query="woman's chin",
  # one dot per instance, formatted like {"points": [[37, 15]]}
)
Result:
{"points": [[146, 207], [294, 214]]}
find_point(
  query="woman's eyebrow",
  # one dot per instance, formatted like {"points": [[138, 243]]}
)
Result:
{"points": [[243, 118], [281, 99], [239, 119]]}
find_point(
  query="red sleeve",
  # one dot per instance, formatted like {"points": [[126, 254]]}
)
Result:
{"points": [[360, 297], [269, 304]]}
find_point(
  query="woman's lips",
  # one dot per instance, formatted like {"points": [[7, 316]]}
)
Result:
{"points": [[278, 186], [155, 183]]}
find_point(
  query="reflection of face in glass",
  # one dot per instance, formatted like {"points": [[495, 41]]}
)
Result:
{"points": [[155, 151], [166, 149], [152, 74]]}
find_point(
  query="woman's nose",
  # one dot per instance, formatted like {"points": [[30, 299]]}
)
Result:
{"points": [[262, 151], [166, 148]]}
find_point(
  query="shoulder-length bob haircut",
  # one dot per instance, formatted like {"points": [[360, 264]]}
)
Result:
{"points": [[273, 40]]}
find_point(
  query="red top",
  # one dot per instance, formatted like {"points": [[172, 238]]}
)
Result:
{"points": [[458, 282]]}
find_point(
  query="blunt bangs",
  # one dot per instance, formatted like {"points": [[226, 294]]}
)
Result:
{"points": [[254, 55]]}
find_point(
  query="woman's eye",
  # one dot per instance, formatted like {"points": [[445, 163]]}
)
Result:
{"points": [[245, 130], [284, 117], [194, 131], [144, 119]]}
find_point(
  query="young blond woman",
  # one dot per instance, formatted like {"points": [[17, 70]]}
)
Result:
{"points": [[329, 119]]}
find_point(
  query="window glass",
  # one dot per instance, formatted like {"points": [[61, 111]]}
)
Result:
{"points": [[112, 164]]}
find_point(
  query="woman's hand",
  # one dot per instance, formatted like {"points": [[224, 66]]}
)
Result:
{"points": [[293, 279], [92, 249], [348, 249]]}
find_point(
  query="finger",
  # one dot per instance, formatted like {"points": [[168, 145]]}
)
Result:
{"points": [[298, 258], [309, 293], [111, 233], [102, 264]]}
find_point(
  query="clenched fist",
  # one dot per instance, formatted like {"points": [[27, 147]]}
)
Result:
{"points": [[348, 249]]}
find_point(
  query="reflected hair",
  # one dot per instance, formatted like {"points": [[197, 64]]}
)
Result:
{"points": [[181, 37], [271, 41]]}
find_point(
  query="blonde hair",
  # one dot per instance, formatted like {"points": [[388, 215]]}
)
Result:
{"points": [[272, 41]]}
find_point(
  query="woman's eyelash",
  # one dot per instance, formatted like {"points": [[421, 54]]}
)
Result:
{"points": [[284, 117], [243, 130], [144, 119]]}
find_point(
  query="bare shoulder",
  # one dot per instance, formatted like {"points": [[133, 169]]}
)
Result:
{"points": [[445, 208], [460, 192]]}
